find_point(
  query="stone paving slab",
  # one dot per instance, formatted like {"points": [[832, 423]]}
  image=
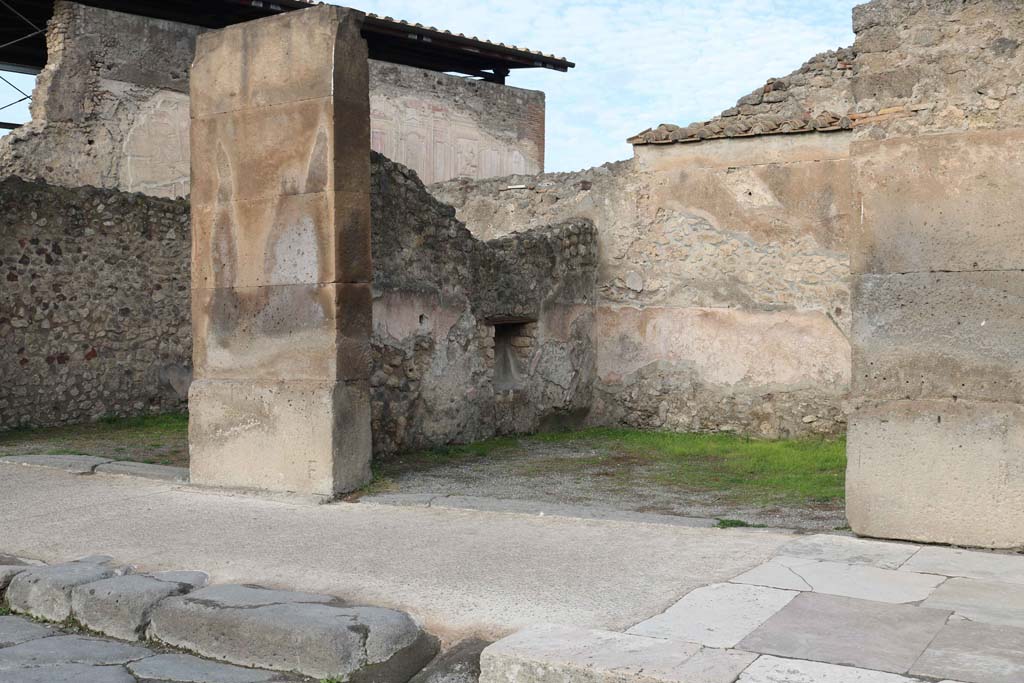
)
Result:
{"points": [[555, 654], [70, 673], [69, 649], [768, 669], [720, 615], [144, 469], [286, 631], [120, 606], [179, 668], [849, 632], [836, 578], [16, 630], [974, 653], [972, 564], [831, 548], [45, 592], [988, 602], [76, 464]]}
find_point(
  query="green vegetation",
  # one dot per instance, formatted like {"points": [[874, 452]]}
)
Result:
{"points": [[4, 610], [737, 524], [159, 439], [756, 470]]}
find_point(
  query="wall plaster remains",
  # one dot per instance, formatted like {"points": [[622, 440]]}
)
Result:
{"points": [[114, 113]]}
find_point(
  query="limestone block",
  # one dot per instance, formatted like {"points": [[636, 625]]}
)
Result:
{"points": [[313, 238], [307, 437], [937, 472], [120, 606], [770, 669], [45, 592], [982, 653], [289, 632], [988, 602], [297, 56], [940, 202], [288, 149], [282, 332], [555, 654], [719, 615], [831, 548], [837, 630], [939, 335], [970, 564]]}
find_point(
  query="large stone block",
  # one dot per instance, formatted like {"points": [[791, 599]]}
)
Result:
{"points": [[938, 472], [939, 335], [308, 634], [313, 238], [120, 606], [306, 437], [940, 202], [302, 55], [45, 592], [288, 149], [282, 332]]}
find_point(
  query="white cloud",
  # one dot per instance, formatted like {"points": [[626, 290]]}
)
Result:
{"points": [[640, 63]]}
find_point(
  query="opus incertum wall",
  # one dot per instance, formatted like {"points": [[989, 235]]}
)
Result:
{"points": [[281, 267]]}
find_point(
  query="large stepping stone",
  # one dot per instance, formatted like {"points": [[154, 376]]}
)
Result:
{"points": [[563, 654], [45, 592], [8, 572], [120, 606], [306, 633], [68, 650]]}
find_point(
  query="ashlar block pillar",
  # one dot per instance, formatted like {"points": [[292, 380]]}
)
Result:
{"points": [[281, 271]]}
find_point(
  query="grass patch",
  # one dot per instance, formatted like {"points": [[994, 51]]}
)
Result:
{"points": [[157, 439], [794, 471], [4, 610], [737, 524]]}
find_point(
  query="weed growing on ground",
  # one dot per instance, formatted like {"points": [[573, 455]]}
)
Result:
{"points": [[737, 524]]}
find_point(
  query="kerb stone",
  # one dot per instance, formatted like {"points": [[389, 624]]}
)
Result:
{"points": [[282, 631], [45, 592], [120, 606]]}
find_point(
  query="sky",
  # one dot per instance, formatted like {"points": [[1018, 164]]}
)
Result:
{"points": [[638, 62]]}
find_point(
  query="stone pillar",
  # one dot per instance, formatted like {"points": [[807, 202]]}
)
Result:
{"points": [[936, 439], [281, 272]]}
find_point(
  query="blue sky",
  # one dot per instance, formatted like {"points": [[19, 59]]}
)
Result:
{"points": [[639, 63]]}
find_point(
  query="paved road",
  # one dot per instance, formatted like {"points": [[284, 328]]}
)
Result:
{"points": [[462, 572]]}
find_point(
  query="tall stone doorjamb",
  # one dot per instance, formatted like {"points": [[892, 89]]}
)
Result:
{"points": [[281, 269]]}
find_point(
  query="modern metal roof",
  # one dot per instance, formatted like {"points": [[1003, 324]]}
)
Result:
{"points": [[23, 37]]}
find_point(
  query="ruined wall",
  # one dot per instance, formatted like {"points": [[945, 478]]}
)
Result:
{"points": [[445, 126], [723, 278], [95, 309], [438, 293], [111, 109], [936, 444], [94, 304]]}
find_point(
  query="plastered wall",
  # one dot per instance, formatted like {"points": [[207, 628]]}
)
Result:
{"points": [[111, 109]]}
